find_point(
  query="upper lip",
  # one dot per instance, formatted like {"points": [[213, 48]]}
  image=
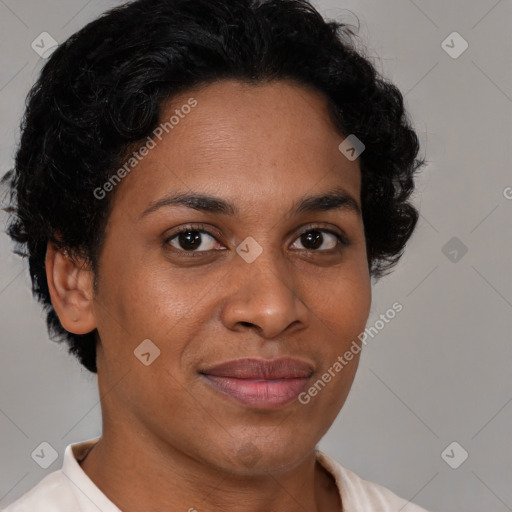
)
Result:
{"points": [[264, 369]]}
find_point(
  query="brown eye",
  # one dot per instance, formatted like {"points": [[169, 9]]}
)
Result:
{"points": [[192, 240], [313, 239]]}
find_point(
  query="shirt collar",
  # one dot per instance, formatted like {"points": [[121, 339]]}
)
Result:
{"points": [[88, 495]]}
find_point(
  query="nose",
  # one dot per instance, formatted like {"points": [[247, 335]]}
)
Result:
{"points": [[264, 295]]}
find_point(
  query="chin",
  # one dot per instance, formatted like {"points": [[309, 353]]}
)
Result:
{"points": [[258, 457]]}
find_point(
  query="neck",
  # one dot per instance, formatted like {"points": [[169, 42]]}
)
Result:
{"points": [[140, 474]]}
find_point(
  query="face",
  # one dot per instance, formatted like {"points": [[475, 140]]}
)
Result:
{"points": [[262, 273]]}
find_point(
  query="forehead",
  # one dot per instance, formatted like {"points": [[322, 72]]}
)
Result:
{"points": [[272, 140]]}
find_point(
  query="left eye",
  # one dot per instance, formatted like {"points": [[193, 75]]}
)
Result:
{"points": [[316, 237]]}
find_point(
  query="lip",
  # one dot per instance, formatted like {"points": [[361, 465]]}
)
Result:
{"points": [[260, 383]]}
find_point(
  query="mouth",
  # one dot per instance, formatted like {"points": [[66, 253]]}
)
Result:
{"points": [[260, 383]]}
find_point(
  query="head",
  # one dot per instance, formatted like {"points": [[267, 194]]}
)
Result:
{"points": [[136, 119]]}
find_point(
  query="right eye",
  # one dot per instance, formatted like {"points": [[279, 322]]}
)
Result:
{"points": [[191, 239]]}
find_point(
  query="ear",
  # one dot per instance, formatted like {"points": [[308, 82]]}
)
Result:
{"points": [[70, 282]]}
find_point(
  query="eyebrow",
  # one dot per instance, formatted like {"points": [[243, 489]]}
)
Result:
{"points": [[334, 199]]}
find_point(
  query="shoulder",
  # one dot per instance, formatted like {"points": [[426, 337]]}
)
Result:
{"points": [[51, 494], [360, 495]]}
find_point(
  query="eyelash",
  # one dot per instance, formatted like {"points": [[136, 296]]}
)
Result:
{"points": [[342, 239]]}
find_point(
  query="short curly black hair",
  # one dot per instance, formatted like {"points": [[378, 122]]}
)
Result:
{"points": [[104, 88]]}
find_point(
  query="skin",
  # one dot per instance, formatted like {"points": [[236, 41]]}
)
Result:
{"points": [[169, 439]]}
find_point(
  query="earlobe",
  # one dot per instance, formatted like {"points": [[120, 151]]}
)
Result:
{"points": [[70, 282]]}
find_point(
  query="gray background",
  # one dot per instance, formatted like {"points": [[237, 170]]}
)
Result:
{"points": [[440, 371]]}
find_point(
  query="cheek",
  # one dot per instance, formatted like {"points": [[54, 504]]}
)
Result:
{"points": [[142, 296], [155, 304], [342, 309], [343, 302]]}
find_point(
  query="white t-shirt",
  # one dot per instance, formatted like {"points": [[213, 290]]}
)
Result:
{"points": [[70, 489]]}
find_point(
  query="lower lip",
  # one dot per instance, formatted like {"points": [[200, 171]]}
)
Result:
{"points": [[260, 394]]}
